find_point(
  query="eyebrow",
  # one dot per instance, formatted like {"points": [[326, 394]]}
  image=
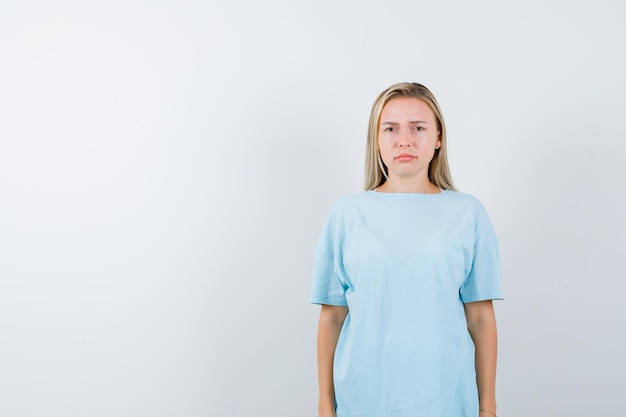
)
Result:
{"points": [[412, 122]]}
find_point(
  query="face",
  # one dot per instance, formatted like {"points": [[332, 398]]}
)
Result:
{"points": [[407, 138]]}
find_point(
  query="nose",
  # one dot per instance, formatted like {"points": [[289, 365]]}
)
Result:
{"points": [[404, 140]]}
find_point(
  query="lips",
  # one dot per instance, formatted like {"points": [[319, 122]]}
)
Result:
{"points": [[405, 157]]}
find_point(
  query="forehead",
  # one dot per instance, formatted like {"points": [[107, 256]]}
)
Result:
{"points": [[406, 108]]}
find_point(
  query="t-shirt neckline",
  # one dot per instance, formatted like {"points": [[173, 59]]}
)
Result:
{"points": [[408, 195]]}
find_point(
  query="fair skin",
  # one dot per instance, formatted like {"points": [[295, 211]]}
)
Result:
{"points": [[481, 323], [407, 139], [331, 320]]}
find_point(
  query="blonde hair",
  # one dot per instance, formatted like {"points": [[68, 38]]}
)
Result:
{"points": [[375, 169]]}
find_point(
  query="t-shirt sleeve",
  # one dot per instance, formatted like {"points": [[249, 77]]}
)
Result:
{"points": [[326, 286], [483, 279]]}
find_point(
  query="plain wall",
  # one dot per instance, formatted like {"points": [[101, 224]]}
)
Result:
{"points": [[166, 167]]}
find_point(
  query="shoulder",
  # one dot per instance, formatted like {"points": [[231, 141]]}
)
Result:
{"points": [[464, 199], [348, 207], [467, 204], [349, 201]]}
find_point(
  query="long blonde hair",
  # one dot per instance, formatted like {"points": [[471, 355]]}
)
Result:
{"points": [[375, 169]]}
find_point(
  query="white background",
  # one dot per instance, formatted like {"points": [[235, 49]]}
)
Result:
{"points": [[166, 167]]}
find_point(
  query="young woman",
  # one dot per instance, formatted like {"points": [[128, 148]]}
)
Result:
{"points": [[405, 273]]}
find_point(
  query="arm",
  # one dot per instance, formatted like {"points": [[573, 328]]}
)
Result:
{"points": [[331, 321], [481, 323]]}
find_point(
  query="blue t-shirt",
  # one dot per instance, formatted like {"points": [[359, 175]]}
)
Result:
{"points": [[405, 264]]}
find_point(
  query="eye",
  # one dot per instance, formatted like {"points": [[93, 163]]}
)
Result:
{"points": [[419, 128], [388, 129]]}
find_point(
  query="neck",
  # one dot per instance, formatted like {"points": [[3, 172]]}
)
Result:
{"points": [[399, 185]]}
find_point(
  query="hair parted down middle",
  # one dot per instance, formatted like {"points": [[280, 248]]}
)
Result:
{"points": [[438, 170]]}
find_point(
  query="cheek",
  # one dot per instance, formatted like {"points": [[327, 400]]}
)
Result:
{"points": [[429, 142], [423, 144], [385, 151]]}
